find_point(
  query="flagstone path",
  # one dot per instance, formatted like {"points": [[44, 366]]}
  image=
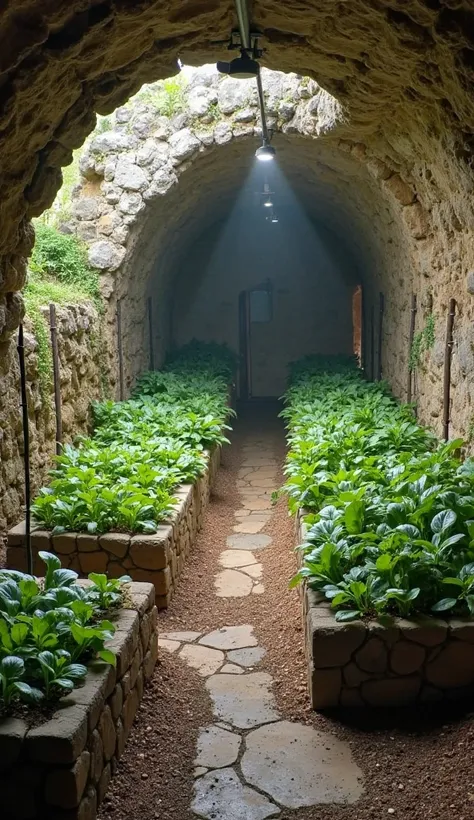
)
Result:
{"points": [[250, 763]]}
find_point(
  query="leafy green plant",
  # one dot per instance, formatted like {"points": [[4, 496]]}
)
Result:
{"points": [[422, 341], [48, 627], [123, 478], [389, 509]]}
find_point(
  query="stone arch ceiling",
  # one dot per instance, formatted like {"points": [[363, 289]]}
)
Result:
{"points": [[402, 71]]}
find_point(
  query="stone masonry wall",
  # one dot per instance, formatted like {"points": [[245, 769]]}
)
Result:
{"points": [[62, 768], [158, 558], [365, 664], [79, 354]]}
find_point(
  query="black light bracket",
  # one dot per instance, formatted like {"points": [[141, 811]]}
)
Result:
{"points": [[235, 43]]}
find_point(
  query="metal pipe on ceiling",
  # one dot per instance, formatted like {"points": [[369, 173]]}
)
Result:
{"points": [[244, 22], [244, 28]]}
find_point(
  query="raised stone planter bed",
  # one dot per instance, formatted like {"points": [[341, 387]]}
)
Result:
{"points": [[158, 558], [61, 769], [366, 664]]}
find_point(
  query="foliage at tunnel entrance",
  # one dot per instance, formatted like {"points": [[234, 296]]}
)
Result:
{"points": [[47, 627], [123, 478], [390, 510], [59, 273]]}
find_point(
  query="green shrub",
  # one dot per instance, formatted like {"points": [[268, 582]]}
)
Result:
{"points": [[48, 627], [58, 273], [123, 478], [390, 509]]}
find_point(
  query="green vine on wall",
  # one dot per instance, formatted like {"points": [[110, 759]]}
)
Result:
{"points": [[59, 273], [422, 342]]}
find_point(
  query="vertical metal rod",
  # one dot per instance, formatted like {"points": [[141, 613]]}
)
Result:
{"points": [[372, 343], [411, 337], [56, 378], [151, 360], [26, 449], [263, 116], [119, 349], [244, 22], [380, 335], [447, 367]]}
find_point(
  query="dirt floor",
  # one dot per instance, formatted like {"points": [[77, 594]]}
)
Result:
{"points": [[417, 765]]}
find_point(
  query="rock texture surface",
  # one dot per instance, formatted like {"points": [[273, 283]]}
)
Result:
{"points": [[80, 375]]}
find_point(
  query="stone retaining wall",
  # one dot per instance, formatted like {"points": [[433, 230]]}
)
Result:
{"points": [[61, 769], [79, 346], [158, 558], [363, 663]]}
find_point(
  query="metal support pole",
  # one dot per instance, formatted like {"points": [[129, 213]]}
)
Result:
{"points": [[119, 349], [56, 378], [26, 449], [151, 358], [411, 336], [372, 343], [380, 335], [448, 352]]}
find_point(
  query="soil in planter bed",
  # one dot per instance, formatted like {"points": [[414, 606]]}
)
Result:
{"points": [[417, 766]]}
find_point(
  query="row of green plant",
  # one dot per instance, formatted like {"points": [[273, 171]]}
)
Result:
{"points": [[389, 509], [124, 476], [50, 628]]}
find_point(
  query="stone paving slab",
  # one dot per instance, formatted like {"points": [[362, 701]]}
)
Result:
{"points": [[299, 766], [183, 637], [244, 701], [248, 526], [170, 646], [217, 748], [230, 637], [254, 570], [231, 669], [221, 796], [230, 583], [247, 657], [207, 661], [233, 559], [242, 541]]}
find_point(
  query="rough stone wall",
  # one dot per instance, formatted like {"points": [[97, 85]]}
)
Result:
{"points": [[80, 369], [63, 767]]}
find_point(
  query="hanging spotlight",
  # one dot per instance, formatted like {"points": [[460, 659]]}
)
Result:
{"points": [[274, 218], [265, 153], [242, 68], [268, 203]]}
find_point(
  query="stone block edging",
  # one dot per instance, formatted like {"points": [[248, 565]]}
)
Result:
{"points": [[365, 664], [158, 558], [62, 768]]}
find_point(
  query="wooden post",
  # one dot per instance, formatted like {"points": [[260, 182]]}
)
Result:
{"points": [[448, 351], [411, 336], [56, 378], [372, 343], [119, 349], [380, 336], [26, 449], [151, 358]]}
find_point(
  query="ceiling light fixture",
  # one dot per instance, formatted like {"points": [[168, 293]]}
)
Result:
{"points": [[265, 153], [241, 68], [274, 218], [268, 204]]}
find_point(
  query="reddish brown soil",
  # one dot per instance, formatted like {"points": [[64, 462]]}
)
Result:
{"points": [[417, 765]]}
